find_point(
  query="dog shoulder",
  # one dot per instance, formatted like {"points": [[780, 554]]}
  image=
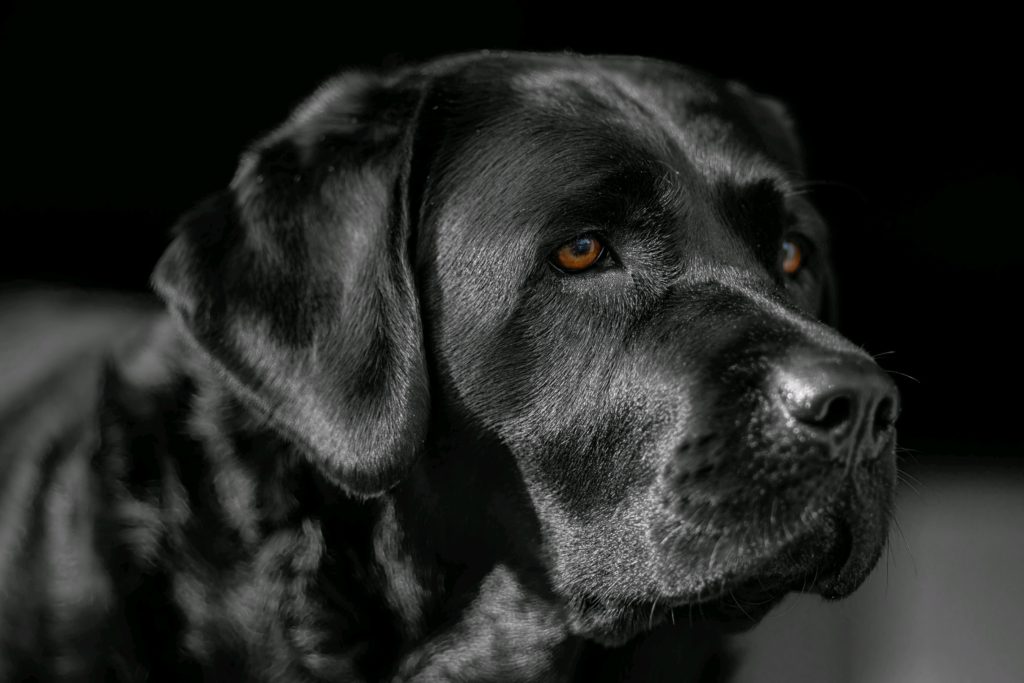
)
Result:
{"points": [[51, 344], [58, 593]]}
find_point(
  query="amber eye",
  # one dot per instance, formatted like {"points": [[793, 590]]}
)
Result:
{"points": [[792, 257], [579, 254]]}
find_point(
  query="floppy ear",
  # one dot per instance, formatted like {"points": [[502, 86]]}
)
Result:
{"points": [[297, 283], [773, 123]]}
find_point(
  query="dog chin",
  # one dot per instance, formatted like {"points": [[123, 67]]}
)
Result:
{"points": [[830, 559], [613, 623], [730, 606]]}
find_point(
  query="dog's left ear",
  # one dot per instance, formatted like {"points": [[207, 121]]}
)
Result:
{"points": [[297, 283], [773, 123]]}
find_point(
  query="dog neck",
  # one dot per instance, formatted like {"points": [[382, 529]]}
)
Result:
{"points": [[263, 561]]}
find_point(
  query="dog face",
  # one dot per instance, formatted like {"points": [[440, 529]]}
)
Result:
{"points": [[606, 265]]}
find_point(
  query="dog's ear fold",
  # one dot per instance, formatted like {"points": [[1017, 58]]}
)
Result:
{"points": [[773, 123], [298, 285]]}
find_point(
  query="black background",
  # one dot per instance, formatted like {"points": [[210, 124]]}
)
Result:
{"points": [[114, 122]]}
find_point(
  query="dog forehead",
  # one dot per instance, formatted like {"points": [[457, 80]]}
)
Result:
{"points": [[525, 142], [643, 92], [524, 154], [558, 119], [687, 117]]}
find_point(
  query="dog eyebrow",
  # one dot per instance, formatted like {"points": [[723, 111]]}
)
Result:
{"points": [[756, 210], [624, 192]]}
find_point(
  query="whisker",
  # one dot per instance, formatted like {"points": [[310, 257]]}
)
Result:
{"points": [[737, 602], [901, 374], [906, 480], [888, 561], [911, 477], [911, 455], [896, 524], [806, 186]]}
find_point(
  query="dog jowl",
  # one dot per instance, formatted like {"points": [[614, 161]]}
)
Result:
{"points": [[484, 360]]}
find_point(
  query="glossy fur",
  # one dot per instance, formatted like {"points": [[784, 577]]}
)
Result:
{"points": [[379, 437]]}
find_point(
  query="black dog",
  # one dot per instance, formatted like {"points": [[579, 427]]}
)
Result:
{"points": [[481, 370]]}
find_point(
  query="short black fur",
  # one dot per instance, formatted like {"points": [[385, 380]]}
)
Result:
{"points": [[377, 436]]}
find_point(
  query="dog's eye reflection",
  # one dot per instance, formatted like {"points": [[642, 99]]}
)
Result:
{"points": [[578, 254], [792, 257]]}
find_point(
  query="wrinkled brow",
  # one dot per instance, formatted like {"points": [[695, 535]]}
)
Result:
{"points": [[639, 190], [542, 169]]}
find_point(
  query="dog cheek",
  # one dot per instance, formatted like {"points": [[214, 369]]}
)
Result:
{"points": [[594, 485], [591, 424], [594, 462]]}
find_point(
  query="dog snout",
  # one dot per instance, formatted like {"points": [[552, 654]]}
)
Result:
{"points": [[846, 401]]}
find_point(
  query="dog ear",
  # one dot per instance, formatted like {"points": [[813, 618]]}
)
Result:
{"points": [[773, 123], [297, 283]]}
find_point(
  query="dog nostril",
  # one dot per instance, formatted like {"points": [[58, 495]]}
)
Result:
{"points": [[842, 397], [834, 413], [885, 417]]}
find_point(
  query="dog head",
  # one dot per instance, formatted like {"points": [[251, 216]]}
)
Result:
{"points": [[608, 266]]}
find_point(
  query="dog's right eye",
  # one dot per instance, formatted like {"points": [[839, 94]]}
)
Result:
{"points": [[578, 254], [793, 255]]}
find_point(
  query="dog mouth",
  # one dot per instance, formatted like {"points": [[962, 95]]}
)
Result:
{"points": [[816, 566], [820, 561], [727, 559], [823, 560], [822, 533]]}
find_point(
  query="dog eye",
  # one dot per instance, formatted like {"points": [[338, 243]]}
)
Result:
{"points": [[578, 254], [793, 256]]}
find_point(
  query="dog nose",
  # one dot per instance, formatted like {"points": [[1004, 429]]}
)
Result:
{"points": [[846, 400]]}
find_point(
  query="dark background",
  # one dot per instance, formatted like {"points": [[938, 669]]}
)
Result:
{"points": [[114, 122]]}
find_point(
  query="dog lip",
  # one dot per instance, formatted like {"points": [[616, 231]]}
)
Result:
{"points": [[755, 586], [740, 604], [818, 560], [840, 556], [859, 556]]}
